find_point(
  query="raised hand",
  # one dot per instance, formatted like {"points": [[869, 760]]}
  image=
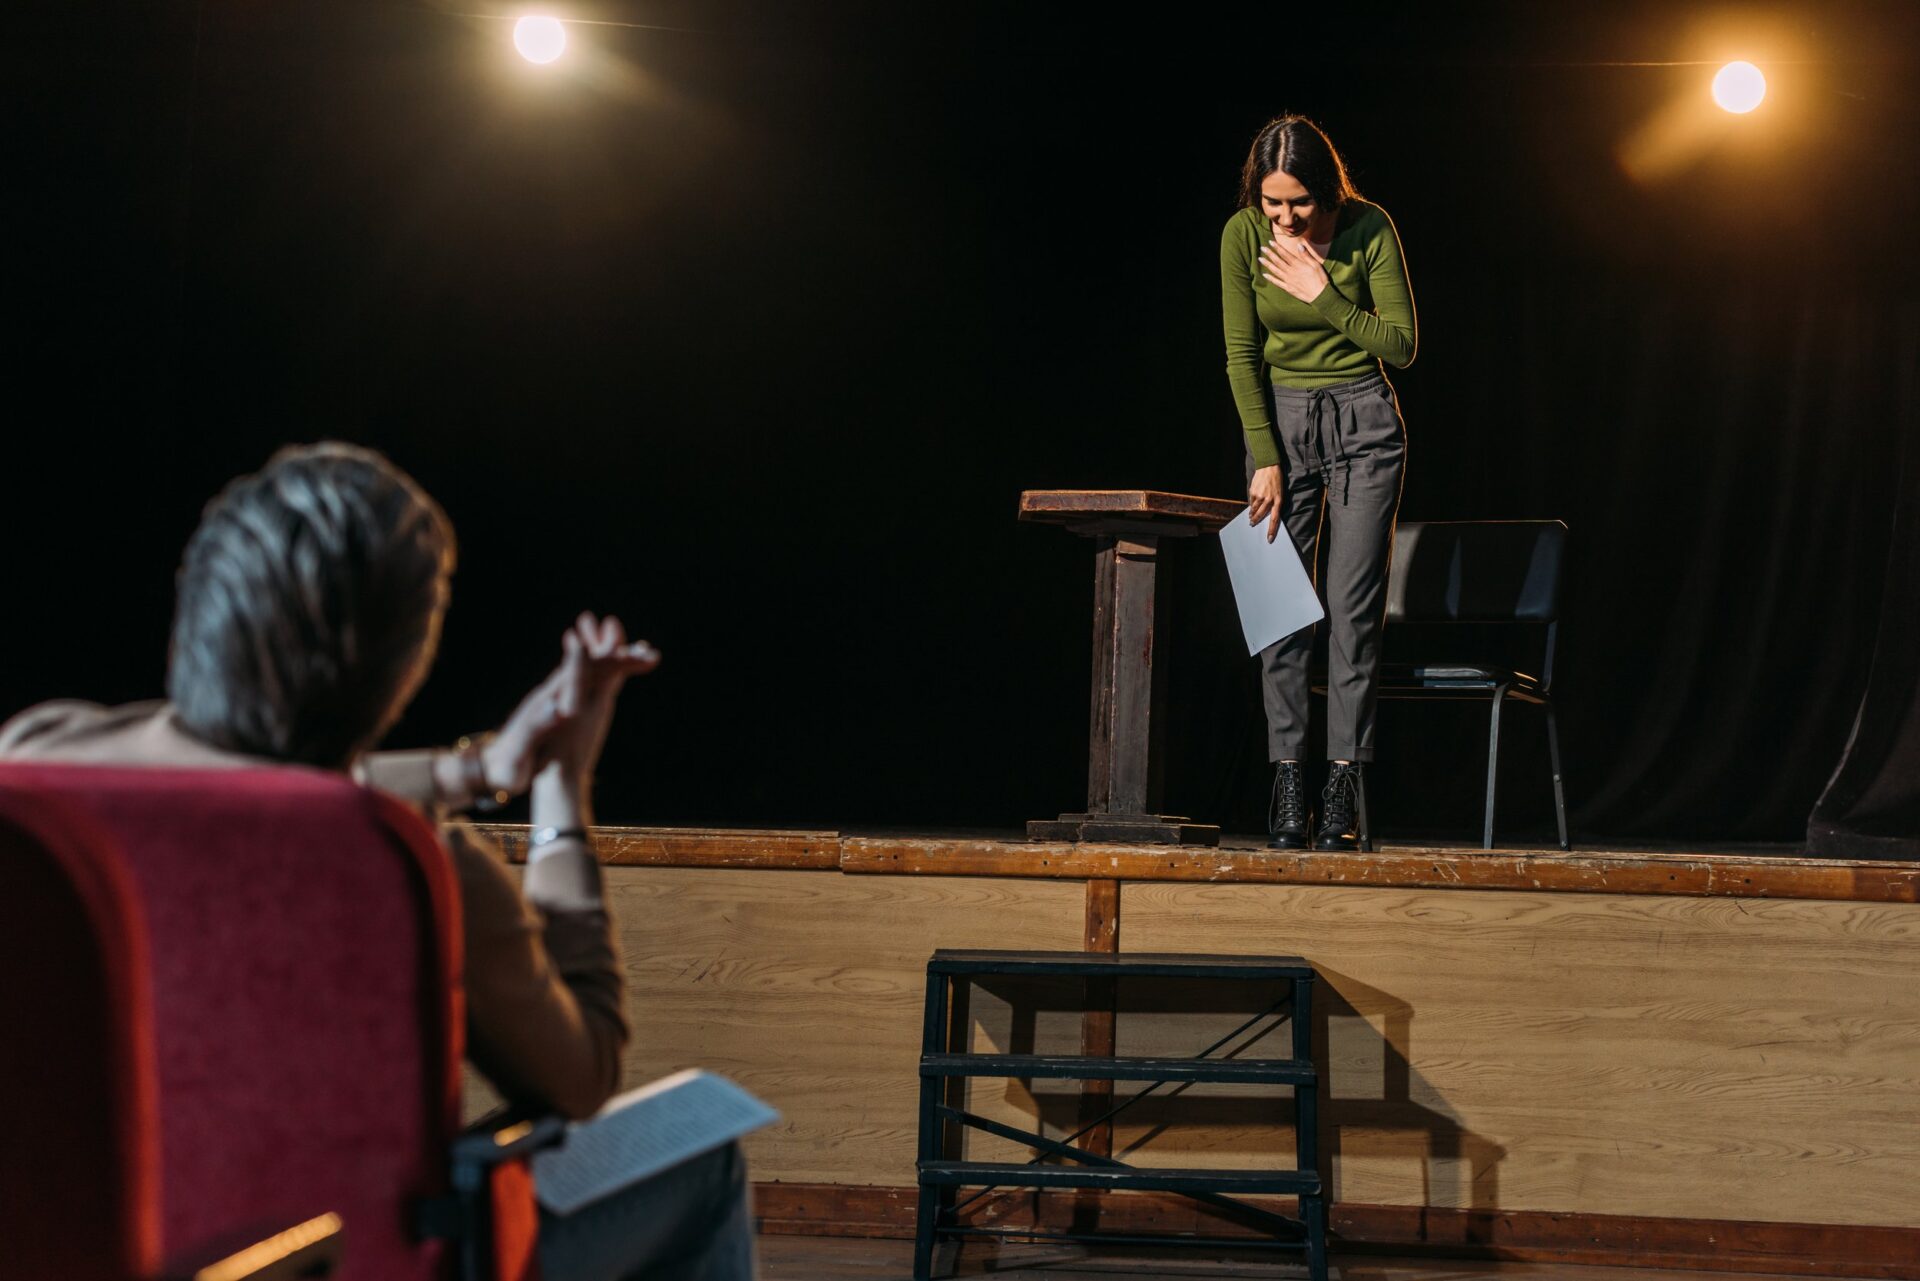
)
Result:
{"points": [[586, 671], [598, 660]]}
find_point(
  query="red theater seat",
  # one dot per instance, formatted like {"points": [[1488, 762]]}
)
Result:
{"points": [[77, 1166], [301, 967]]}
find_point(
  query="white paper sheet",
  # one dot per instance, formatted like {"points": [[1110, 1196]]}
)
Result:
{"points": [[1270, 585]]}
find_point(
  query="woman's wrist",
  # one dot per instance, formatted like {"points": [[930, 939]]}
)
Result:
{"points": [[561, 798], [562, 872], [462, 779], [449, 776]]}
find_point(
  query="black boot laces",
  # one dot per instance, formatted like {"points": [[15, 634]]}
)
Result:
{"points": [[1340, 799], [1288, 811]]}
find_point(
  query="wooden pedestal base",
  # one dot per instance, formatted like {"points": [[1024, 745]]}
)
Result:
{"points": [[1124, 829]]}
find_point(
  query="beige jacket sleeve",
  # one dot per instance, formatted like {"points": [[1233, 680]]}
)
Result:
{"points": [[408, 775], [545, 998]]}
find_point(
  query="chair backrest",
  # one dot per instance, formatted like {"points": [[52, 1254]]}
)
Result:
{"points": [[303, 945], [78, 1156], [1476, 571]]}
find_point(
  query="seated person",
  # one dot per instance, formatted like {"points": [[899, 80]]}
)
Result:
{"points": [[309, 607]]}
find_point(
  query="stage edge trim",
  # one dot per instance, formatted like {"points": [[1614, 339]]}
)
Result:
{"points": [[1581, 872]]}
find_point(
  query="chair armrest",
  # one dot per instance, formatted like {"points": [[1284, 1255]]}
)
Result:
{"points": [[464, 1215], [497, 1139], [310, 1249]]}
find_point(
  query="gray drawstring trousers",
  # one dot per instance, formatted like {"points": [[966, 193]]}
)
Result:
{"points": [[1343, 452]]}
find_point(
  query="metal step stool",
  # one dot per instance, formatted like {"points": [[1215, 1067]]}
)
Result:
{"points": [[945, 1065]]}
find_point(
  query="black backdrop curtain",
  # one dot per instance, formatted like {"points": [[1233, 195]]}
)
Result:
{"points": [[755, 333], [1871, 806], [1726, 457]]}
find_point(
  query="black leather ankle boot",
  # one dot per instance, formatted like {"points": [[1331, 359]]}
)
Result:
{"points": [[1340, 809], [1287, 819]]}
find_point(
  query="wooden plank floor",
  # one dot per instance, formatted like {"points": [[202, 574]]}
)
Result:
{"points": [[830, 1258], [794, 1258]]}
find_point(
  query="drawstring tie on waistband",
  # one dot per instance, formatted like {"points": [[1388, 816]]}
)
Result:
{"points": [[1322, 407]]}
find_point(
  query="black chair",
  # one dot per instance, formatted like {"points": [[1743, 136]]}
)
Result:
{"points": [[1488, 572]]}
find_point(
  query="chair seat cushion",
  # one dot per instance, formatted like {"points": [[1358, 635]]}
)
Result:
{"points": [[1422, 674]]}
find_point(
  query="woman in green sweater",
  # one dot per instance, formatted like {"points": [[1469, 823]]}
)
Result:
{"points": [[1314, 296]]}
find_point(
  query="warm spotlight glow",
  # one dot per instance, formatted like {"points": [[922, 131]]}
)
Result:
{"points": [[544, 39], [1739, 87]]}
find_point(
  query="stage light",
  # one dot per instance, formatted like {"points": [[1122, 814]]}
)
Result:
{"points": [[1739, 87], [540, 39]]}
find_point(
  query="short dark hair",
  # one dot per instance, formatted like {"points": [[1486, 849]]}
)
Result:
{"points": [[1298, 147], [309, 605]]}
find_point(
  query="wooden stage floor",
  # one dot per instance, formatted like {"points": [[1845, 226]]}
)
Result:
{"points": [[829, 1259]]}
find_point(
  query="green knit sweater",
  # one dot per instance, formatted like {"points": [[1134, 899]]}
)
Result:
{"points": [[1363, 316]]}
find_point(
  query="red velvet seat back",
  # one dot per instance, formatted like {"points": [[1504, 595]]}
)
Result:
{"points": [[77, 1147], [303, 935]]}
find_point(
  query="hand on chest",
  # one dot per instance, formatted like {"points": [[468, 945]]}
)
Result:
{"points": [[1292, 271]]}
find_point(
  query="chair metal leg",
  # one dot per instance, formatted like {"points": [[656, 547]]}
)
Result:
{"points": [[1366, 822], [1559, 788], [1493, 761]]}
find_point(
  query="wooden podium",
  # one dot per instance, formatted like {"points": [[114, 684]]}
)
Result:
{"points": [[1126, 526]]}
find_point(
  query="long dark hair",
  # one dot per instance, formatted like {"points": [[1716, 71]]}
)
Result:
{"points": [[1298, 147]]}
